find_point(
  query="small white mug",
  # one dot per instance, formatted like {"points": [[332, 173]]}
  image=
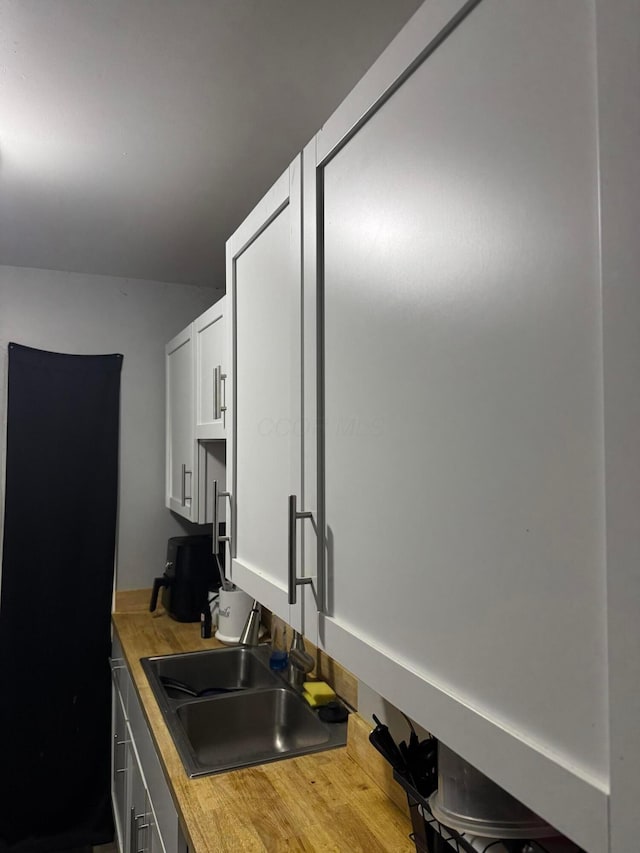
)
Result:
{"points": [[234, 605]]}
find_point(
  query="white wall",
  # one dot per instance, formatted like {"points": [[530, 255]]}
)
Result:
{"points": [[86, 314]]}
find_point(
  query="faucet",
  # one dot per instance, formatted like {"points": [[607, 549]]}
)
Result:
{"points": [[300, 662], [251, 630]]}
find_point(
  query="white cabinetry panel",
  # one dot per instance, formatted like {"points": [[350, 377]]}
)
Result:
{"points": [[462, 397], [263, 399], [619, 111], [210, 341], [264, 282], [460, 327], [195, 415], [181, 471]]}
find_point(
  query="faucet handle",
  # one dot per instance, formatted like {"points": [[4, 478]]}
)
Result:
{"points": [[302, 661]]}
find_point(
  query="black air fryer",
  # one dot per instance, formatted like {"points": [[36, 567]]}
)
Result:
{"points": [[189, 574]]}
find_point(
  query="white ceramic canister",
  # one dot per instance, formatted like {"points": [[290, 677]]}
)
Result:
{"points": [[234, 605]]}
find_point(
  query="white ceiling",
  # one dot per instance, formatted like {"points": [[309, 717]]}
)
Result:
{"points": [[135, 135]]}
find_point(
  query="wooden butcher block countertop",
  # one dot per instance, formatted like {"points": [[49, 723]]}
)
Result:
{"points": [[321, 802]]}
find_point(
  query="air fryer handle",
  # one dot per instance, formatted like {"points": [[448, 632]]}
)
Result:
{"points": [[157, 584]]}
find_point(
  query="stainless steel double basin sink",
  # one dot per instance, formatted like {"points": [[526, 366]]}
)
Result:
{"points": [[237, 712]]}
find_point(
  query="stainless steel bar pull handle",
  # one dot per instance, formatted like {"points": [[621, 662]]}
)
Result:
{"points": [[118, 743], [133, 829], [216, 393], [142, 826], [184, 497], [294, 581], [218, 406], [216, 539]]}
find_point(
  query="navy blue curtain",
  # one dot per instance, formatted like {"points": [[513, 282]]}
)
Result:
{"points": [[57, 575]]}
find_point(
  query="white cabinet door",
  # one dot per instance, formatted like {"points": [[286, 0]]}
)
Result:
{"points": [[194, 358], [210, 340], [138, 823], [264, 280], [181, 458], [154, 843], [460, 394]]}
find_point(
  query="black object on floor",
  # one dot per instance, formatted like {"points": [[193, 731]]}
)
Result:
{"points": [[57, 577]]}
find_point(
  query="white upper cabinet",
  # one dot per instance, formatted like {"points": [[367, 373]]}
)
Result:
{"points": [[210, 340], [452, 214], [432, 351], [181, 447], [196, 410], [264, 431]]}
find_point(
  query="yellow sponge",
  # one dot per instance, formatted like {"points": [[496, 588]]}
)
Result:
{"points": [[318, 693]]}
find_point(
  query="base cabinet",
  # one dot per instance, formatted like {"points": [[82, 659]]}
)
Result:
{"points": [[145, 818], [139, 809], [119, 758], [143, 831]]}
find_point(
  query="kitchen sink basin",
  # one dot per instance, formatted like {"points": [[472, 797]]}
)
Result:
{"points": [[253, 728], [231, 669], [262, 719]]}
